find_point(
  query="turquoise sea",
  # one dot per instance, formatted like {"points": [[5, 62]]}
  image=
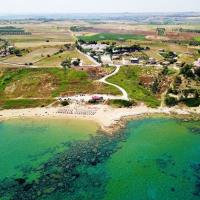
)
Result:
{"points": [[150, 159]]}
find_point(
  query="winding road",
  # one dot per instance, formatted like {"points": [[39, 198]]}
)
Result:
{"points": [[103, 80]]}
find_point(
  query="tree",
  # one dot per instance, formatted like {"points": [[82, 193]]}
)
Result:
{"points": [[66, 63], [64, 103], [76, 62], [197, 72], [155, 86], [177, 81], [187, 71], [165, 71], [15, 51], [171, 101], [160, 31]]}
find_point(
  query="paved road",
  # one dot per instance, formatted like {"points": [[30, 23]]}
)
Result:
{"points": [[103, 80]]}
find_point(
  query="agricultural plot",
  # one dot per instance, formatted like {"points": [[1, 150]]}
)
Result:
{"points": [[41, 34], [56, 60], [34, 55], [111, 36], [11, 30], [44, 41], [41, 39]]}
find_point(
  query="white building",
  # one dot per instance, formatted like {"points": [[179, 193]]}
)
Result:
{"points": [[106, 59], [95, 47]]}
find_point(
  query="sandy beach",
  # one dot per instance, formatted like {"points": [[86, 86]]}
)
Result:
{"points": [[107, 117]]}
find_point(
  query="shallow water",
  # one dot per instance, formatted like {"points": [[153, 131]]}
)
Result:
{"points": [[151, 159], [156, 161], [29, 143]]}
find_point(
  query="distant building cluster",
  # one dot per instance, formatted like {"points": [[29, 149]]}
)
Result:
{"points": [[5, 51]]}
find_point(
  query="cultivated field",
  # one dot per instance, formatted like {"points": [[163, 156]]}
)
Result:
{"points": [[43, 45], [55, 60], [35, 55], [111, 36]]}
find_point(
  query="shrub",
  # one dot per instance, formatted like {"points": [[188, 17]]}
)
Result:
{"points": [[121, 103], [65, 103], [66, 63], [187, 71], [171, 101], [76, 62], [177, 81], [194, 102], [92, 101]]}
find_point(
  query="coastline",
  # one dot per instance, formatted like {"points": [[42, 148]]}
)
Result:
{"points": [[109, 119]]}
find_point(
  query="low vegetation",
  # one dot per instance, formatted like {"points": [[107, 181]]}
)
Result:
{"points": [[43, 84], [11, 30], [197, 39], [78, 28], [65, 103], [119, 103], [24, 103], [129, 79], [185, 88], [57, 59]]}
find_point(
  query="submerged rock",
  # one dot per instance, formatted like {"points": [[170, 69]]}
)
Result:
{"points": [[20, 181]]}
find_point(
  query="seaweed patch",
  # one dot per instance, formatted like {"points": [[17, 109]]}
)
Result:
{"points": [[71, 172]]}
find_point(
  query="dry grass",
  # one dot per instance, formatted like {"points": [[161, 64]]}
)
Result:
{"points": [[57, 34], [37, 44], [55, 60], [34, 56]]}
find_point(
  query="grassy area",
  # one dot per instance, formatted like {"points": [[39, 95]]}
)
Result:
{"points": [[48, 83], [119, 103], [33, 56], [197, 39], [111, 36], [128, 78], [56, 60], [187, 58], [25, 103]]}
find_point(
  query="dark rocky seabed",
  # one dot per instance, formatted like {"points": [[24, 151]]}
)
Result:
{"points": [[155, 158]]}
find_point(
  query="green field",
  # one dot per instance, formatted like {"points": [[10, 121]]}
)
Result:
{"points": [[111, 36], [25, 103], [22, 86], [197, 39], [128, 78]]}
